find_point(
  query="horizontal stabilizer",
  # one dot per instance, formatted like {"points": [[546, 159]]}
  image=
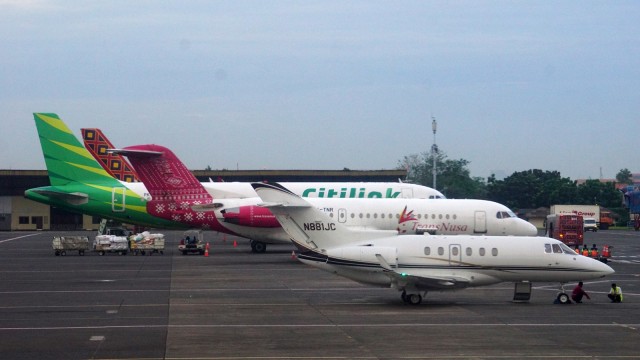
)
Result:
{"points": [[131, 152], [75, 198]]}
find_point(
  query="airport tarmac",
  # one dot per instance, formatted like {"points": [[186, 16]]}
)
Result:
{"points": [[234, 304]]}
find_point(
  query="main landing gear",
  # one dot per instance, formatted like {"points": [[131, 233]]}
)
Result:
{"points": [[411, 299], [258, 246]]}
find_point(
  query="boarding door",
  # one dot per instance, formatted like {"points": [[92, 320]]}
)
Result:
{"points": [[342, 215], [118, 199], [455, 254], [480, 222]]}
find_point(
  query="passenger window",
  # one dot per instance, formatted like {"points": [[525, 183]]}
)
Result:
{"points": [[360, 215], [454, 251], [557, 249], [353, 215], [375, 216], [368, 215], [440, 251], [439, 216], [547, 248], [481, 251], [455, 216], [469, 251], [447, 216], [427, 251], [433, 216], [494, 252]]}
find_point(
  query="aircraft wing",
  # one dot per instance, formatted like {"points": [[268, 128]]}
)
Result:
{"points": [[75, 198], [423, 282]]}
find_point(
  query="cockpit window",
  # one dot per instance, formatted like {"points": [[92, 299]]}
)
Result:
{"points": [[547, 248], [556, 248], [567, 250], [505, 214]]}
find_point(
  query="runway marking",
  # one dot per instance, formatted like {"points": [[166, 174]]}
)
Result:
{"points": [[386, 325], [19, 237]]}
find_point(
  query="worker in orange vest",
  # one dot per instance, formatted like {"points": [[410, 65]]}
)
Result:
{"points": [[577, 250], [594, 251], [585, 251]]}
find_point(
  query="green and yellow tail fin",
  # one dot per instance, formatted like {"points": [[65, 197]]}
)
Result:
{"points": [[66, 159]]}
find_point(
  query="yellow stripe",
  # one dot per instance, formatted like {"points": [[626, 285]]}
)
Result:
{"points": [[55, 122], [76, 149]]}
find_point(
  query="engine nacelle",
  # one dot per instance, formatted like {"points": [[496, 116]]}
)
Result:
{"points": [[250, 215], [365, 254]]}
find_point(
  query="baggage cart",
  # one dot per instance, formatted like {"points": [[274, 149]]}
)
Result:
{"points": [[146, 242], [111, 244], [62, 244]]}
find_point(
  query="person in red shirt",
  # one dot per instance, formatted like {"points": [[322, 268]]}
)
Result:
{"points": [[578, 293]]}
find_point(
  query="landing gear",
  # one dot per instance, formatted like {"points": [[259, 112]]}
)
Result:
{"points": [[563, 298], [411, 299], [258, 246]]}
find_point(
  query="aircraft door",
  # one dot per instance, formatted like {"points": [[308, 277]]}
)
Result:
{"points": [[342, 215], [118, 199], [480, 222], [455, 254]]}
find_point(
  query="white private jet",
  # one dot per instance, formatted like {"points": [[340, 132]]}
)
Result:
{"points": [[415, 264]]}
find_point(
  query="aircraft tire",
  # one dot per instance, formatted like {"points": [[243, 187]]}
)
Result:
{"points": [[259, 247], [563, 298], [414, 299], [63, 253]]}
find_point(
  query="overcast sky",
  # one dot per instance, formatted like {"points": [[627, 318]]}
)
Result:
{"points": [[514, 85]]}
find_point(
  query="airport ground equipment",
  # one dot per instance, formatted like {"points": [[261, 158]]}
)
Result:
{"points": [[602, 215], [62, 244], [146, 242], [632, 202], [192, 242], [568, 228], [111, 244]]}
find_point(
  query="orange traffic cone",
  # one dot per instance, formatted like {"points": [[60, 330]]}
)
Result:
{"points": [[206, 252], [293, 254], [235, 244]]}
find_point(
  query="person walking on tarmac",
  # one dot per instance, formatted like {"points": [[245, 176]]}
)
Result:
{"points": [[578, 293], [615, 294]]}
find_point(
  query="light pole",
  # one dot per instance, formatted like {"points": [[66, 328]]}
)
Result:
{"points": [[434, 148]]}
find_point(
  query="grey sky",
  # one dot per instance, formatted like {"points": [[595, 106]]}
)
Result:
{"points": [[514, 85]]}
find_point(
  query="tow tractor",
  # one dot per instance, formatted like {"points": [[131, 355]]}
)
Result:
{"points": [[192, 242]]}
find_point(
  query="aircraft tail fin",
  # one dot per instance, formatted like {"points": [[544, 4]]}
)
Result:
{"points": [[66, 159], [97, 144], [307, 226], [166, 178]]}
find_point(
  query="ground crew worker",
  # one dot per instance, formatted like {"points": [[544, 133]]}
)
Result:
{"points": [[577, 249], [585, 251], [578, 293], [594, 251], [615, 294]]}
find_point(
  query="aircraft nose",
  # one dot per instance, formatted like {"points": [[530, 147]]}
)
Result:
{"points": [[526, 228]]}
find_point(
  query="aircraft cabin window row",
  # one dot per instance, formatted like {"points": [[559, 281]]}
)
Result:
{"points": [[397, 216], [455, 251]]}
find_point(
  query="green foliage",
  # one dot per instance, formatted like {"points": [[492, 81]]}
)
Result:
{"points": [[452, 176], [624, 176]]}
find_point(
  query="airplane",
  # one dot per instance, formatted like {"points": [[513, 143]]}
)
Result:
{"points": [[177, 195], [80, 184], [416, 264]]}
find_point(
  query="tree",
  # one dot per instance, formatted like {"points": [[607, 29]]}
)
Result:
{"points": [[599, 193], [624, 176], [453, 178], [531, 189]]}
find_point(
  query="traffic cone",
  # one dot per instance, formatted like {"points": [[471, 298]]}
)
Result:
{"points": [[293, 254], [235, 244], [206, 252]]}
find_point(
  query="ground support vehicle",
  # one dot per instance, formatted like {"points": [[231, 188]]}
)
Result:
{"points": [[590, 224], [62, 244], [602, 215], [632, 202], [192, 242], [146, 243], [567, 228], [111, 244]]}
